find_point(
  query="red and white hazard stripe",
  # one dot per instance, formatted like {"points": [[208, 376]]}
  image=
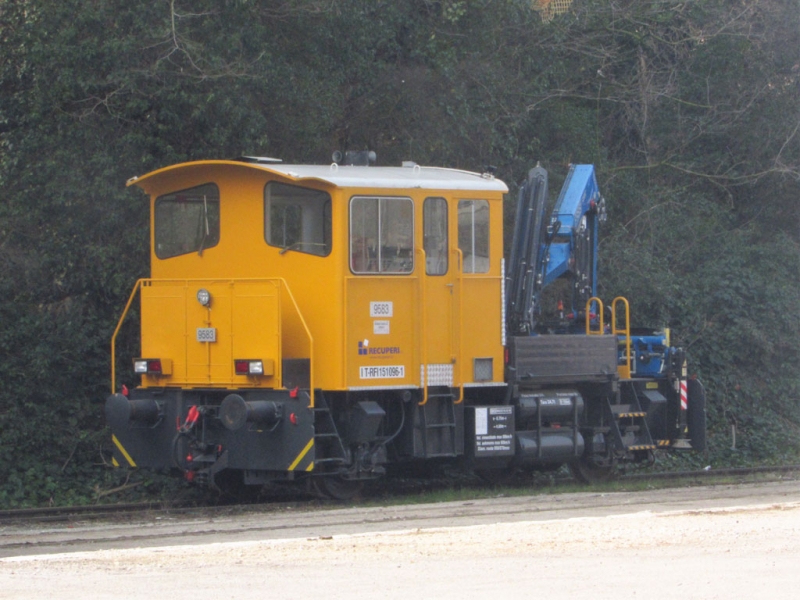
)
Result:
{"points": [[684, 395]]}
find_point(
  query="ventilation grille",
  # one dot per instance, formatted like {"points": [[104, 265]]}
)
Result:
{"points": [[483, 369]]}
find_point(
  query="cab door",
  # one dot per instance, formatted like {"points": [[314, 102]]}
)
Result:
{"points": [[437, 296], [380, 294], [477, 310]]}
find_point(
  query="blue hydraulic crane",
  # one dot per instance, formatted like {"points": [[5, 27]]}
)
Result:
{"points": [[544, 251]]}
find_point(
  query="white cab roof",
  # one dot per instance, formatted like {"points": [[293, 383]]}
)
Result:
{"points": [[429, 178]]}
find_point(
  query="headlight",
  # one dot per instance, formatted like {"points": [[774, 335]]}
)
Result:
{"points": [[248, 367]]}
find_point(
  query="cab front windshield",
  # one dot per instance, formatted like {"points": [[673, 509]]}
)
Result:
{"points": [[187, 221]]}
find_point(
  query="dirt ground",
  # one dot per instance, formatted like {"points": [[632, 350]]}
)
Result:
{"points": [[750, 551]]}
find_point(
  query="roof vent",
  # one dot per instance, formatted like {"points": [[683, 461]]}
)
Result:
{"points": [[355, 158]]}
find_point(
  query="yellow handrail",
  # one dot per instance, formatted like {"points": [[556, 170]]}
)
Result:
{"points": [[460, 328], [310, 342], [114, 337], [601, 325], [624, 369], [424, 328]]}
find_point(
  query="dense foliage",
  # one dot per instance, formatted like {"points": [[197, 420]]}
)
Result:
{"points": [[690, 110]]}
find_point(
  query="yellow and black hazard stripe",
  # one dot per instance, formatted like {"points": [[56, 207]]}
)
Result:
{"points": [[122, 452], [663, 443], [305, 460]]}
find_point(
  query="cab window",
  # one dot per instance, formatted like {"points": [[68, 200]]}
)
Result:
{"points": [[187, 221], [434, 224], [473, 235], [381, 235], [297, 218]]}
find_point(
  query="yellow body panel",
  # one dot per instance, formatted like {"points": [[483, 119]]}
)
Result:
{"points": [[480, 325], [244, 315], [274, 305], [381, 345]]}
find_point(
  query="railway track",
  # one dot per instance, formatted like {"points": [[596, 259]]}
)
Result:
{"points": [[390, 489], [71, 513]]}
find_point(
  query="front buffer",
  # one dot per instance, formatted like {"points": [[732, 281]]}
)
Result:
{"points": [[266, 435]]}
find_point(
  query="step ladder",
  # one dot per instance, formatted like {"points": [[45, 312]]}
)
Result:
{"points": [[628, 425], [435, 426], [329, 448]]}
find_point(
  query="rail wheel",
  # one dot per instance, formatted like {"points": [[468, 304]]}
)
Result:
{"points": [[335, 487], [587, 470], [503, 476]]}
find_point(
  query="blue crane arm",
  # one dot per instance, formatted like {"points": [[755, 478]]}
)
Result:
{"points": [[542, 253], [572, 232]]}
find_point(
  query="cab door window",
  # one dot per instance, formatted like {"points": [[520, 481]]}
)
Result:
{"points": [[473, 235], [381, 235], [434, 224]]}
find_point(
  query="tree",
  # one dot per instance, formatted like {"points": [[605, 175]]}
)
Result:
{"points": [[690, 111]]}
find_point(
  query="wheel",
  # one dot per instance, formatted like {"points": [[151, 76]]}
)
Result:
{"points": [[502, 476], [333, 486], [586, 470], [231, 487]]}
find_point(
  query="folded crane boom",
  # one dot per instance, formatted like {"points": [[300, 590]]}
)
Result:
{"points": [[543, 252], [524, 279]]}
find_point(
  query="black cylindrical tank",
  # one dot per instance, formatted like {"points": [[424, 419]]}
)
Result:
{"points": [[555, 405], [561, 445]]}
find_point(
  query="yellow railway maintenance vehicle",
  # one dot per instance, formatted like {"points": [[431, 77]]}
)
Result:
{"points": [[326, 322]]}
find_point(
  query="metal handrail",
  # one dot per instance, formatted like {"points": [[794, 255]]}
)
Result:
{"points": [[626, 369], [423, 328], [460, 328], [601, 324], [116, 332]]}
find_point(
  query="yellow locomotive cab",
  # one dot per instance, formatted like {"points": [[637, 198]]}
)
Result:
{"points": [[331, 257]]}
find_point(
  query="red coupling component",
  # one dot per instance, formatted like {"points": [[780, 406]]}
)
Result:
{"points": [[293, 393], [189, 475], [191, 419], [125, 390], [293, 419], [192, 416]]}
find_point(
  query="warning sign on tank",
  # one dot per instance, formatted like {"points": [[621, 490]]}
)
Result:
{"points": [[494, 431]]}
